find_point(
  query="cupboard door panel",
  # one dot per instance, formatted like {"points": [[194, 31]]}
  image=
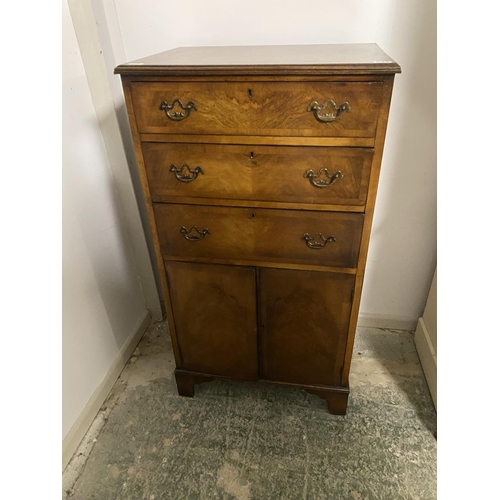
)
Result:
{"points": [[304, 324], [215, 316]]}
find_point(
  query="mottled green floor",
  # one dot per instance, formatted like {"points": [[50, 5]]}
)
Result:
{"points": [[249, 442]]}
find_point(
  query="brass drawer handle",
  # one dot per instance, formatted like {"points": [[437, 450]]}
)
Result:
{"points": [[318, 241], [321, 183], [177, 115], [196, 234], [186, 177], [328, 117]]}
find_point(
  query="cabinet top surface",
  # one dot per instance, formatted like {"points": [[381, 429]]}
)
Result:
{"points": [[360, 58]]}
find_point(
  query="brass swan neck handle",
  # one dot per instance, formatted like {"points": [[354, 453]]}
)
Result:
{"points": [[326, 117], [318, 241], [193, 233], [316, 181], [178, 115], [188, 177]]}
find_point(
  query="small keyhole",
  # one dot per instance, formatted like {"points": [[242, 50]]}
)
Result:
{"points": [[253, 216], [251, 155], [249, 92]]}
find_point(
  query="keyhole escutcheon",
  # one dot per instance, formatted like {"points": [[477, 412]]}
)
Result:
{"points": [[249, 92], [251, 155]]}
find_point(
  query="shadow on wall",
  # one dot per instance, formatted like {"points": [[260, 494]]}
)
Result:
{"points": [[128, 145]]}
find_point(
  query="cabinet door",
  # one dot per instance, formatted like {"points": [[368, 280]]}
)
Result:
{"points": [[215, 318], [304, 321]]}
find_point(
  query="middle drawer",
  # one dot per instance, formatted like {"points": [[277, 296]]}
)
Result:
{"points": [[290, 174], [254, 234]]}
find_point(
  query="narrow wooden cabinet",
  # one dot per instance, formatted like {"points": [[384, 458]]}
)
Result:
{"points": [[260, 168]]}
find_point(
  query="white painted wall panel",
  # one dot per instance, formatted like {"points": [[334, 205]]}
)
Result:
{"points": [[102, 295]]}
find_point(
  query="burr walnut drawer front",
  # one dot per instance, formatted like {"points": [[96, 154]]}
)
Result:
{"points": [[203, 233], [305, 109], [260, 173]]}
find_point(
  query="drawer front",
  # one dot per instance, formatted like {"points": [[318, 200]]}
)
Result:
{"points": [[258, 173], [314, 109], [289, 236]]}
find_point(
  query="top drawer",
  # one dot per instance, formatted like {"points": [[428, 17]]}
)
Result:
{"points": [[311, 109]]}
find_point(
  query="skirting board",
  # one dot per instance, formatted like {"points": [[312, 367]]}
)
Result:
{"points": [[428, 358], [89, 412], [383, 321]]}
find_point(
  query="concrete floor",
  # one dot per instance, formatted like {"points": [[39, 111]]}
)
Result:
{"points": [[249, 442]]}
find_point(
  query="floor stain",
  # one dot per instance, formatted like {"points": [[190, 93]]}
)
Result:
{"points": [[228, 478], [114, 471]]}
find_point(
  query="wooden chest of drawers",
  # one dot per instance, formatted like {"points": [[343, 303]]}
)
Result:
{"points": [[260, 168]]}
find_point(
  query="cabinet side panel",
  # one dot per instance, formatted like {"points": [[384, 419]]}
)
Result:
{"points": [[151, 215], [370, 207]]}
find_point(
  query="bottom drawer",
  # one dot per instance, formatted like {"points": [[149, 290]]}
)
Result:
{"points": [[250, 234]]}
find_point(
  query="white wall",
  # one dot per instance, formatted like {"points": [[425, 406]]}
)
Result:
{"points": [[402, 253], [103, 302]]}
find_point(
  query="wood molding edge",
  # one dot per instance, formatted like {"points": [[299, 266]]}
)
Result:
{"points": [[428, 358]]}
